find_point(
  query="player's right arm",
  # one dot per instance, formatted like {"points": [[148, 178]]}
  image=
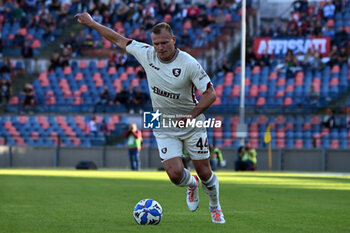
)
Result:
{"points": [[109, 34]]}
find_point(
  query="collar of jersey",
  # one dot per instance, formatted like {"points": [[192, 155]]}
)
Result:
{"points": [[172, 59]]}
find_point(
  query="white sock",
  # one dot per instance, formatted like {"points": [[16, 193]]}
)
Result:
{"points": [[211, 188], [192, 182], [187, 180]]}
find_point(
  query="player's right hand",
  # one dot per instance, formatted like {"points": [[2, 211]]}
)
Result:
{"points": [[84, 18]]}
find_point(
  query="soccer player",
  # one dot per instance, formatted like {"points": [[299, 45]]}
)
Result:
{"points": [[172, 77]]}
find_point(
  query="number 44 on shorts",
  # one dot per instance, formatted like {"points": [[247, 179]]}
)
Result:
{"points": [[203, 149]]}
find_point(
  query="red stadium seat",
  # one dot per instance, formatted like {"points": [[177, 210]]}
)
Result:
{"points": [[261, 101], [256, 70], [67, 70], [130, 70], [101, 64], [83, 64], [281, 81], [288, 101], [253, 92], [298, 144], [23, 31], [334, 144], [79, 76], [334, 82], [217, 101], [273, 75], [14, 100], [36, 44], [335, 69], [112, 70]]}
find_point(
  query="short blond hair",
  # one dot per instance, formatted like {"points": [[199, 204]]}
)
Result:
{"points": [[156, 29]]}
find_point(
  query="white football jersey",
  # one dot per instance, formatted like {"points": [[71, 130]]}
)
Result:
{"points": [[172, 84]]}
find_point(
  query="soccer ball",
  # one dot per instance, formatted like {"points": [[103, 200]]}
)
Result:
{"points": [[148, 212]]}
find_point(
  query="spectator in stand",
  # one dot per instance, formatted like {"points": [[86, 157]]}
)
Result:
{"points": [[99, 6], [112, 60], [142, 35], [30, 6], [27, 55], [134, 137], [277, 27], [300, 5], [328, 120], [17, 12], [139, 100], [329, 10], [334, 56], [6, 69], [267, 32], [317, 63], [185, 39], [54, 61], [104, 100], [314, 96], [5, 91], [328, 30], [1, 44], [123, 98], [97, 16], [18, 40], [284, 31], [66, 56], [28, 98], [225, 67], [72, 43], [193, 12], [104, 129], [119, 13], [290, 63], [54, 6], [265, 59], [250, 57], [93, 126], [338, 5], [341, 37], [220, 18], [318, 28], [308, 58], [148, 11], [343, 56], [300, 57], [121, 59]]}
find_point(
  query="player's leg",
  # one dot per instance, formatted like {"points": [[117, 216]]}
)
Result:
{"points": [[197, 146], [182, 177], [170, 151]]}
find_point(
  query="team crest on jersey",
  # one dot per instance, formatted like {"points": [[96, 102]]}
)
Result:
{"points": [[176, 72]]}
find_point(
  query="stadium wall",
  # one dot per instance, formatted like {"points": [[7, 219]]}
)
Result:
{"points": [[117, 158]]}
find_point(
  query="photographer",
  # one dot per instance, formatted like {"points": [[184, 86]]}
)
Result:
{"points": [[134, 137], [216, 158], [246, 160]]}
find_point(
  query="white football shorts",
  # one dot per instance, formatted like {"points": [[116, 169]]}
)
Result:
{"points": [[195, 144]]}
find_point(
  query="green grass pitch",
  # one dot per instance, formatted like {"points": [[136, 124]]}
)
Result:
{"points": [[102, 201]]}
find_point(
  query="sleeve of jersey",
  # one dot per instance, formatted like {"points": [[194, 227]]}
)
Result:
{"points": [[199, 77], [138, 50]]}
